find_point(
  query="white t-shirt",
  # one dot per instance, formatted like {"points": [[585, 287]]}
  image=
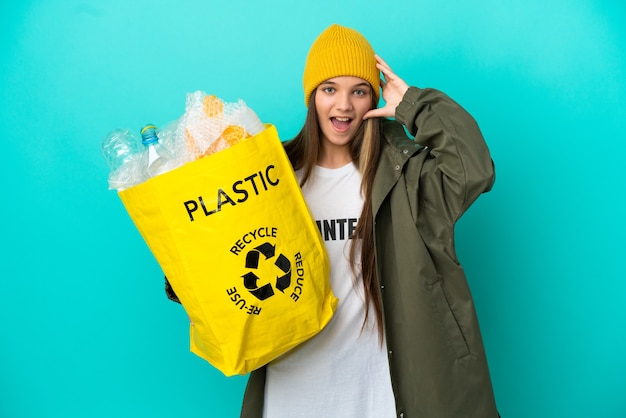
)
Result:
{"points": [[343, 371]]}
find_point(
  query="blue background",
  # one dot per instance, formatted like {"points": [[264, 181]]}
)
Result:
{"points": [[86, 330]]}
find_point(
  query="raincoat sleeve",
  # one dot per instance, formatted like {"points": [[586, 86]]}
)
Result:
{"points": [[459, 167]]}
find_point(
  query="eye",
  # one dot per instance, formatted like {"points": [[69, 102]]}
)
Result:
{"points": [[361, 92], [328, 90]]}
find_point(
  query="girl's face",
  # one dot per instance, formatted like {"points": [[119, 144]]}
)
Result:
{"points": [[340, 104]]}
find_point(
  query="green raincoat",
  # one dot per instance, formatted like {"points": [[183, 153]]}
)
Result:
{"points": [[422, 187]]}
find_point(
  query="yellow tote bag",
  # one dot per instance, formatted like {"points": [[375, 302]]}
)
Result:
{"points": [[236, 241]]}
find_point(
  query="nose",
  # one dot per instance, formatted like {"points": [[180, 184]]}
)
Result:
{"points": [[344, 101]]}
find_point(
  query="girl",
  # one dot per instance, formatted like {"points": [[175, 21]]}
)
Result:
{"points": [[404, 340]]}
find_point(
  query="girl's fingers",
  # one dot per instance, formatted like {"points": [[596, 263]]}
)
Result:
{"points": [[381, 61], [383, 66], [388, 75]]}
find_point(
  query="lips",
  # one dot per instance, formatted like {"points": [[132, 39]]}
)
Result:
{"points": [[341, 124]]}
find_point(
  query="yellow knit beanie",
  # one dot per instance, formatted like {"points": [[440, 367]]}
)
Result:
{"points": [[339, 51]]}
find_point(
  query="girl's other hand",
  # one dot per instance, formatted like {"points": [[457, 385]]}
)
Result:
{"points": [[393, 91]]}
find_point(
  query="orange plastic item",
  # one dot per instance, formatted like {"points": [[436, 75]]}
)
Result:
{"points": [[229, 137], [212, 105], [191, 145]]}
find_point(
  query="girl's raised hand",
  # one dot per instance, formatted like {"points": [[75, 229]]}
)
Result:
{"points": [[393, 91]]}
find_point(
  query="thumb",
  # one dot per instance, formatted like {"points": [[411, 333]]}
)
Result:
{"points": [[374, 113]]}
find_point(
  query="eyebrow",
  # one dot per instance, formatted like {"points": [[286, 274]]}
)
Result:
{"points": [[363, 84]]}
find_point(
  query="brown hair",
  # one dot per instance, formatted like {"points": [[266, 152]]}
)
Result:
{"points": [[303, 151]]}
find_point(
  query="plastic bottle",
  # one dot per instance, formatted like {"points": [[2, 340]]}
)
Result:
{"points": [[122, 149], [119, 146], [251, 121], [247, 118], [158, 159]]}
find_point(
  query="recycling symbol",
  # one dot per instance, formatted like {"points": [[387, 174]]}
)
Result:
{"points": [[251, 280]]}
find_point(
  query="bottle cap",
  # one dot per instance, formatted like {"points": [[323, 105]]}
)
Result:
{"points": [[149, 134]]}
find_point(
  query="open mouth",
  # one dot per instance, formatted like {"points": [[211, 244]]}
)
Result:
{"points": [[340, 123]]}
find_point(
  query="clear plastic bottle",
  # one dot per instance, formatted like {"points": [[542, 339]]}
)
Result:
{"points": [[157, 158], [247, 118], [251, 121], [122, 150]]}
